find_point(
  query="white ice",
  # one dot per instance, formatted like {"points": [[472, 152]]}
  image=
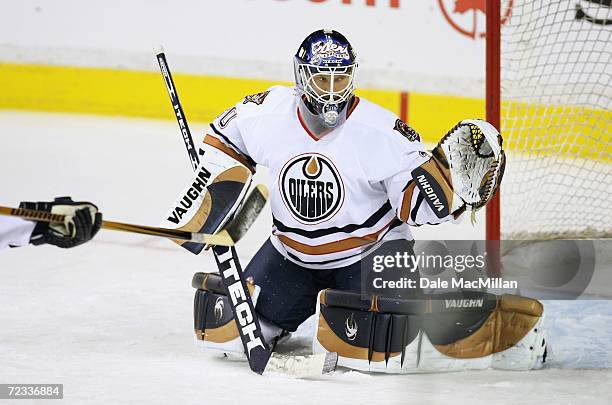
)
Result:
{"points": [[112, 320]]}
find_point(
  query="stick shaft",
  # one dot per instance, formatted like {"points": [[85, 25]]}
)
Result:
{"points": [[226, 258], [178, 111], [44, 216], [31, 214]]}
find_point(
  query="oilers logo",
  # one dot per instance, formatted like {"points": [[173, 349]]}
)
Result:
{"points": [[311, 188], [330, 51]]}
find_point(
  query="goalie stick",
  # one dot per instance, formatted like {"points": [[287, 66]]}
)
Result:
{"points": [[241, 223], [260, 357]]}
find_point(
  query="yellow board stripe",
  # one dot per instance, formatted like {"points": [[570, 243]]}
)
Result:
{"points": [[118, 92], [142, 94]]}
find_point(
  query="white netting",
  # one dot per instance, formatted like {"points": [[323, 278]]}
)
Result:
{"points": [[556, 120]]}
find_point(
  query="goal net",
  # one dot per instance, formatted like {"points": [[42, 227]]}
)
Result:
{"points": [[556, 120]]}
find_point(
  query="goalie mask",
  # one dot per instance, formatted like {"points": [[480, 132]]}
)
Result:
{"points": [[324, 70]]}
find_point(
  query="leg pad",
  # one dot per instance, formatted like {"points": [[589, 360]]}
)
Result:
{"points": [[213, 319], [449, 332]]}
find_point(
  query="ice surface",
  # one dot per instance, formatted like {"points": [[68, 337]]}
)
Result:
{"points": [[112, 320]]}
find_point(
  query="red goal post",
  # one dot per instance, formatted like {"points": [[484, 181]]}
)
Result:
{"points": [[493, 99]]}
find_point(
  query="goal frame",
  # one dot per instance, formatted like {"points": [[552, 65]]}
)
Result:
{"points": [[493, 115], [493, 101]]}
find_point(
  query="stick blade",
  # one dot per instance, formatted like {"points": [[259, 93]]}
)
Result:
{"points": [[310, 366], [222, 238], [247, 215]]}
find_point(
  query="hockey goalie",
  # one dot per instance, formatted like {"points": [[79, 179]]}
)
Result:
{"points": [[346, 177]]}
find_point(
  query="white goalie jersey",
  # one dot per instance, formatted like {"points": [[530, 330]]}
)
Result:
{"points": [[333, 198]]}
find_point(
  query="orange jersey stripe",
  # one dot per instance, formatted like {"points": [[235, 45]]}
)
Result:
{"points": [[333, 247], [215, 143], [407, 202]]}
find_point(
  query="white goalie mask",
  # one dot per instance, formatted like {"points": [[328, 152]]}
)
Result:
{"points": [[324, 73]]}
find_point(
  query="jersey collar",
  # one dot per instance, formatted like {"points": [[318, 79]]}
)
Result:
{"points": [[313, 136]]}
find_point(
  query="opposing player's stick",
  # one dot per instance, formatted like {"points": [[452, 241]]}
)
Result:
{"points": [[227, 237], [260, 357]]}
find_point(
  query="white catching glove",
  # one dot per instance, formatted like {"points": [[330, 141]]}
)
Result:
{"points": [[465, 170]]}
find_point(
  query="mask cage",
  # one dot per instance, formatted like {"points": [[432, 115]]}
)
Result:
{"points": [[307, 81]]}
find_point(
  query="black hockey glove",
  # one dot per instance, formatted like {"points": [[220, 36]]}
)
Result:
{"points": [[82, 222]]}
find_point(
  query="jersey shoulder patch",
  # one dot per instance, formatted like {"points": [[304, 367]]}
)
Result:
{"points": [[406, 131], [265, 102], [257, 98]]}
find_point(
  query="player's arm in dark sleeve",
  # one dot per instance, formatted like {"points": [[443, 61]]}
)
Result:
{"points": [[82, 223]]}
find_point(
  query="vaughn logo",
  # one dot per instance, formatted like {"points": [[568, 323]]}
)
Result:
{"points": [[219, 304], [438, 205], [475, 303], [311, 188], [190, 196], [350, 327]]}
